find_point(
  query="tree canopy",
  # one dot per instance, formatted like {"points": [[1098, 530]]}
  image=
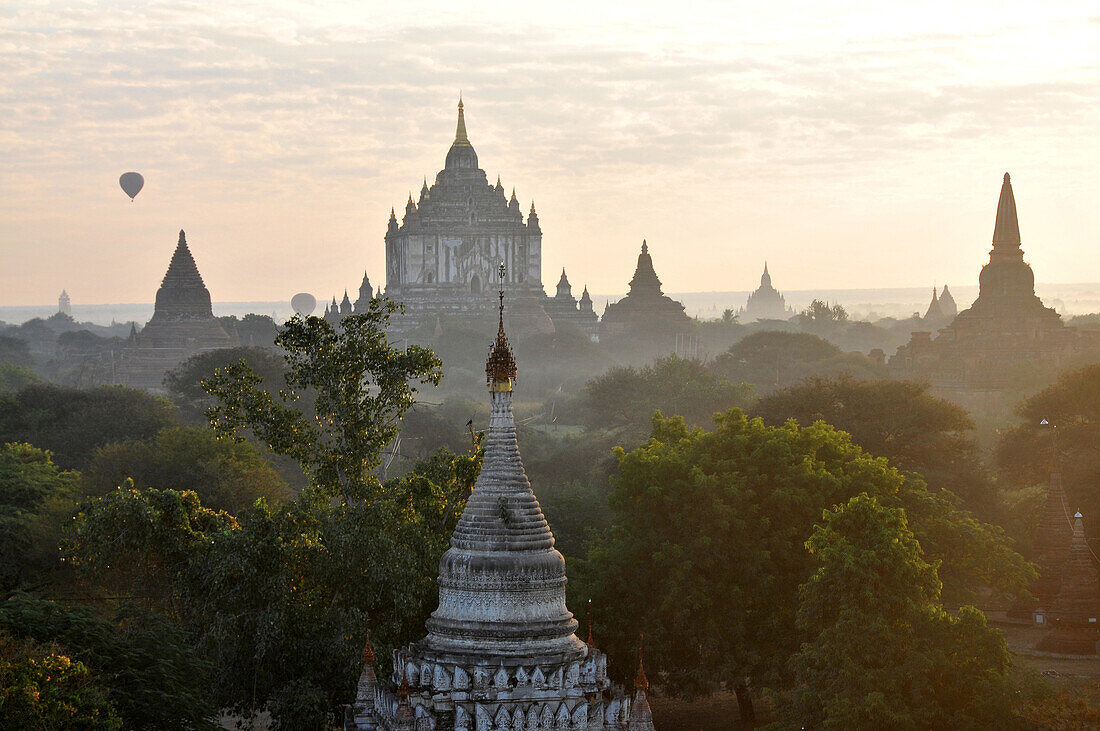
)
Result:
{"points": [[773, 359], [226, 474], [71, 422], [880, 651], [898, 420], [706, 547], [361, 388]]}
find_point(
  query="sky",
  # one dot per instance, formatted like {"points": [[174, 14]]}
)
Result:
{"points": [[850, 144]]}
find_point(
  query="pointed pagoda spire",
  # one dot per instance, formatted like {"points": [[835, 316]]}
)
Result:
{"points": [[947, 303], [641, 716], [182, 294], [460, 130], [1076, 609], [1006, 231], [487, 604], [500, 369], [645, 279], [765, 278], [1053, 537], [564, 288], [934, 312]]}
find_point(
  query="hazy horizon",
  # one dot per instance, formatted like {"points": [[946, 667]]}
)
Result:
{"points": [[856, 146]]}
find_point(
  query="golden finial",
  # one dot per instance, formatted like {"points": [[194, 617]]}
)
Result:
{"points": [[500, 369]]}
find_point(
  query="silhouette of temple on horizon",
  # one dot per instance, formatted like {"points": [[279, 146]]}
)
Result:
{"points": [[970, 360]]}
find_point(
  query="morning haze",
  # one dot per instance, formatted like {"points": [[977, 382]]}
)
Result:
{"points": [[852, 147], [588, 367]]}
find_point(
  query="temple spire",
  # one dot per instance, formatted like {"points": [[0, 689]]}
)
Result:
{"points": [[460, 131], [1006, 231], [500, 369]]}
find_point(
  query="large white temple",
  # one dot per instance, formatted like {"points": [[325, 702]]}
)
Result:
{"points": [[501, 650]]}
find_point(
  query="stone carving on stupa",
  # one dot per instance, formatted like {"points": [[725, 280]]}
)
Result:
{"points": [[501, 650]]}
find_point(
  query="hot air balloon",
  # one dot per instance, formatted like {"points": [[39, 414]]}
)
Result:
{"points": [[303, 303], [131, 183]]}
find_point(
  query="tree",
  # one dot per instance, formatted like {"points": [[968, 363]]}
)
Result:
{"points": [[226, 474], [361, 388], [72, 422], [36, 501], [279, 597], [149, 669], [184, 382], [625, 397], [705, 551], [881, 651], [43, 689], [821, 316], [898, 420], [773, 359]]}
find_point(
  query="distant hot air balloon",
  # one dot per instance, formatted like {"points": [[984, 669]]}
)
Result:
{"points": [[131, 183], [303, 303]]}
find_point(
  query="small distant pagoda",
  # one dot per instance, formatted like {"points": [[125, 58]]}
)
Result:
{"points": [[766, 303], [64, 304], [501, 650], [1075, 612], [563, 307], [183, 324], [646, 310]]}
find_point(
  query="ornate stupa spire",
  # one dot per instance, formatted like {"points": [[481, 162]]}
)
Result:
{"points": [[765, 278], [501, 369], [502, 582], [641, 717]]}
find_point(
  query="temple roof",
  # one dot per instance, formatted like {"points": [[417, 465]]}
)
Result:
{"points": [[462, 154], [1006, 231], [645, 279], [182, 293]]}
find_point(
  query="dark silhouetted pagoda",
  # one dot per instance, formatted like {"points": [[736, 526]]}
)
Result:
{"points": [[1075, 613], [183, 324], [645, 311], [970, 360]]}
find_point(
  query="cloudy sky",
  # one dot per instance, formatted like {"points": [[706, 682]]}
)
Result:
{"points": [[852, 144]]}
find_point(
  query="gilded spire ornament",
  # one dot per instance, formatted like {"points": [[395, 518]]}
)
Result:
{"points": [[500, 369]]}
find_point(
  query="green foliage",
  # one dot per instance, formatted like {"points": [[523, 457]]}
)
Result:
{"points": [[42, 689], [149, 667], [882, 653], [821, 316], [280, 597], [1072, 408], [707, 542], [361, 387], [15, 377], [898, 420], [226, 474], [15, 351], [625, 397], [773, 359], [139, 543], [71, 423], [36, 501], [184, 382]]}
